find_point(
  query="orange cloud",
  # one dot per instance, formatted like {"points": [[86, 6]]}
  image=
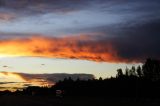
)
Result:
{"points": [[81, 47], [11, 77], [13, 81]]}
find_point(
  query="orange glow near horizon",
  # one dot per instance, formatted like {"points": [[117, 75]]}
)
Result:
{"points": [[11, 77], [12, 81], [67, 47]]}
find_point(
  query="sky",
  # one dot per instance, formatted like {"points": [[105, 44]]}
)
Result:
{"points": [[93, 37]]}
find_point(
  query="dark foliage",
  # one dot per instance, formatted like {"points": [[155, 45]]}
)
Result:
{"points": [[135, 82]]}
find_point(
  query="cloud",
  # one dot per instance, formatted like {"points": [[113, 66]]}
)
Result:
{"points": [[120, 31], [1, 83], [25, 79], [81, 47], [46, 6], [132, 43], [5, 66], [52, 78], [6, 16], [43, 6], [138, 41], [48, 16]]}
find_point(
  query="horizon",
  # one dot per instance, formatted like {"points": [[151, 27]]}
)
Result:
{"points": [[93, 37]]}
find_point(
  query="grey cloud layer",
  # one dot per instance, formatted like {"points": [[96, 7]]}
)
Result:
{"points": [[55, 77], [139, 42], [132, 26], [31, 79], [73, 16]]}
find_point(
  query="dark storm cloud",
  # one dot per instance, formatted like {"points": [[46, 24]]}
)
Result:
{"points": [[139, 41], [133, 42]]}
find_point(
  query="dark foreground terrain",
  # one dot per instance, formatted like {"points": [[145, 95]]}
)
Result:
{"points": [[12, 100], [133, 87]]}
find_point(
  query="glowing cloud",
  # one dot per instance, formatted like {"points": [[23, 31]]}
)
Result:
{"points": [[82, 47], [13, 81], [11, 77]]}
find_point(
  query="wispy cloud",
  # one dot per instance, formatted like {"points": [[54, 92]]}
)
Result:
{"points": [[15, 81]]}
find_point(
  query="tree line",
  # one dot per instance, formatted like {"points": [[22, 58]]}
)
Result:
{"points": [[141, 81]]}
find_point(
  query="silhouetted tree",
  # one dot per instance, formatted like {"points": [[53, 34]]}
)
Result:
{"points": [[142, 81], [132, 71], [119, 72], [151, 69], [139, 71], [100, 79], [126, 71]]}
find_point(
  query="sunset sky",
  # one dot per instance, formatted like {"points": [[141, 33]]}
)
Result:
{"points": [[41, 37]]}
